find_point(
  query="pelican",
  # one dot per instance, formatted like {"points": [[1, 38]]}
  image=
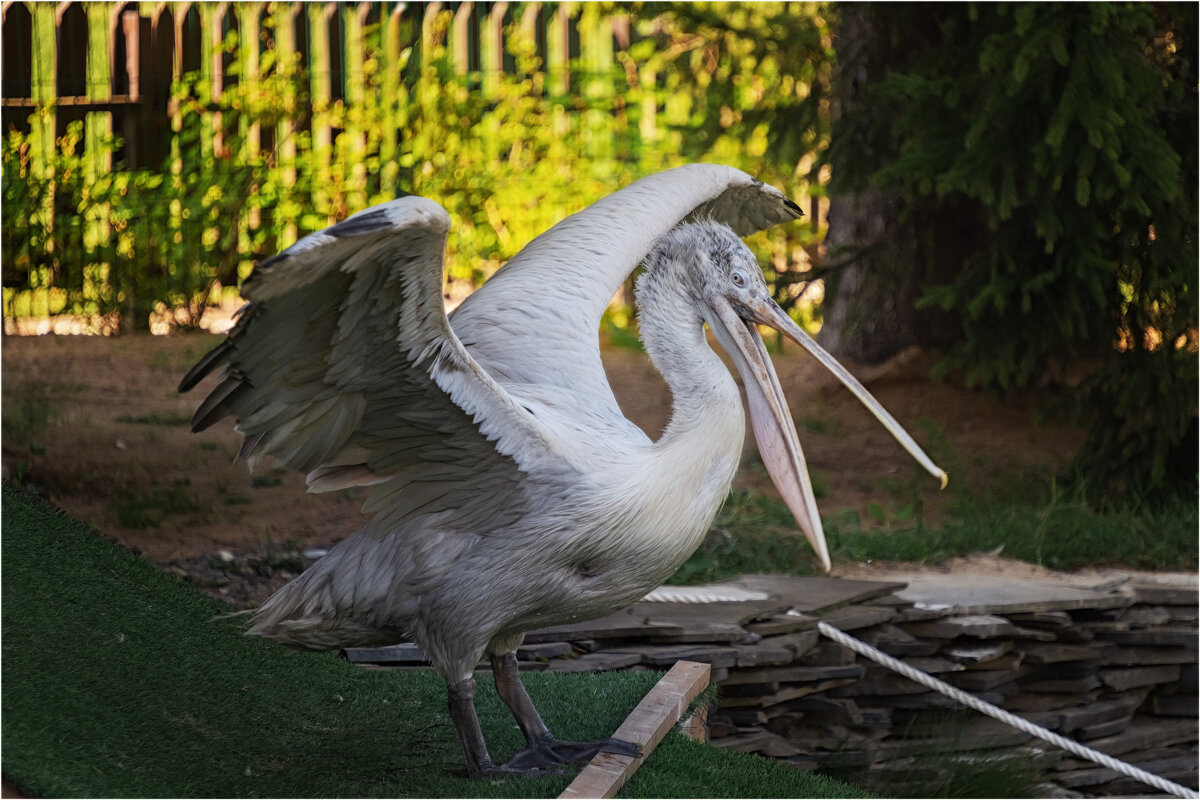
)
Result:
{"points": [[507, 491]]}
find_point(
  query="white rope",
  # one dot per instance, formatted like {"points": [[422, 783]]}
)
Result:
{"points": [[1009, 718]]}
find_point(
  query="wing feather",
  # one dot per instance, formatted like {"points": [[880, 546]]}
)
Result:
{"points": [[343, 365], [576, 267]]}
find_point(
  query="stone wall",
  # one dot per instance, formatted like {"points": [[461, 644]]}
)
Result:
{"points": [[1110, 662]]}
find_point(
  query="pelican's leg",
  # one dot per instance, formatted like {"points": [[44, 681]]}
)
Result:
{"points": [[466, 722], [470, 736], [543, 750]]}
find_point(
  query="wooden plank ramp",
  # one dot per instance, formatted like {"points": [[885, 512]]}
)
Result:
{"points": [[646, 725]]}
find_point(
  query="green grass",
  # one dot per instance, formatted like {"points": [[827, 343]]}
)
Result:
{"points": [[1034, 520], [146, 509], [165, 420], [1049, 527], [120, 680]]}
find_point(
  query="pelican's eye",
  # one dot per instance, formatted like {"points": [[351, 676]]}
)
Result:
{"points": [[738, 278]]}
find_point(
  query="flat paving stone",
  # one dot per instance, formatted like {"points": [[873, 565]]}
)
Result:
{"points": [[594, 662], [979, 653], [976, 626], [817, 595], [963, 594], [852, 618], [665, 655], [1154, 637], [782, 623], [393, 654], [546, 650], [1124, 679], [623, 624]]}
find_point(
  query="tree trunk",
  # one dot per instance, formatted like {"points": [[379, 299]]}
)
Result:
{"points": [[883, 256]]}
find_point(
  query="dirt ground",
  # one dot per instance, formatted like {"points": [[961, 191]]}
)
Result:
{"points": [[96, 425]]}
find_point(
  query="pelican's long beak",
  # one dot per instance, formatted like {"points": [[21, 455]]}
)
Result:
{"points": [[774, 430]]}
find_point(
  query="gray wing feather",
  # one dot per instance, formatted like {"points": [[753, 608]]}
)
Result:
{"points": [[576, 267], [343, 365]]}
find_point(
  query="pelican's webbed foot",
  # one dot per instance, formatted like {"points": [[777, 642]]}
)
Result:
{"points": [[547, 751]]}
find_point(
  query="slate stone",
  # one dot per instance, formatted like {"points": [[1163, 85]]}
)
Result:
{"points": [[1064, 670], [665, 655], [977, 626], [1165, 595], [1035, 634], [1110, 728], [1124, 679], [1184, 613], [594, 662], [782, 623], [708, 619], [817, 595], [786, 693], [1043, 619], [1047, 702], [1094, 713], [897, 642], [1150, 655], [983, 680], [964, 594], [1143, 733], [826, 653], [1173, 705], [765, 742], [738, 717], [701, 633], [623, 624], [764, 653], [801, 644], [544, 650], [928, 700], [877, 684], [933, 665], [1155, 637], [830, 710], [1143, 616], [1009, 661], [852, 618], [793, 674], [1038, 653], [978, 653], [1073, 685], [979, 733], [392, 654]]}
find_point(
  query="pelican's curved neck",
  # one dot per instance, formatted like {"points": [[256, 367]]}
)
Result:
{"points": [[705, 398]]}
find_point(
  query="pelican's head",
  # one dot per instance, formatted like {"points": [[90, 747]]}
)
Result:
{"points": [[734, 300]]}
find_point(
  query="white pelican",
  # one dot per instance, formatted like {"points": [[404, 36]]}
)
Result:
{"points": [[508, 492]]}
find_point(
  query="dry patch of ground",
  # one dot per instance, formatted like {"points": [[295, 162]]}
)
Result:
{"points": [[96, 425]]}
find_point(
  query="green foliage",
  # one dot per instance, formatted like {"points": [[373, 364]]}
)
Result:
{"points": [[507, 153], [1067, 133]]}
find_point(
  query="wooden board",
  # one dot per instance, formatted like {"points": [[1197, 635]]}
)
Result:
{"points": [[645, 726]]}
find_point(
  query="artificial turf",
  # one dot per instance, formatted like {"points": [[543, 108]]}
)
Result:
{"points": [[120, 680]]}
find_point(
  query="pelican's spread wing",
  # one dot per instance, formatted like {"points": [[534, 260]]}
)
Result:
{"points": [[536, 320], [343, 365]]}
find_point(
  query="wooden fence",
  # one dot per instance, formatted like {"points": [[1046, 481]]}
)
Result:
{"points": [[163, 147], [112, 65]]}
